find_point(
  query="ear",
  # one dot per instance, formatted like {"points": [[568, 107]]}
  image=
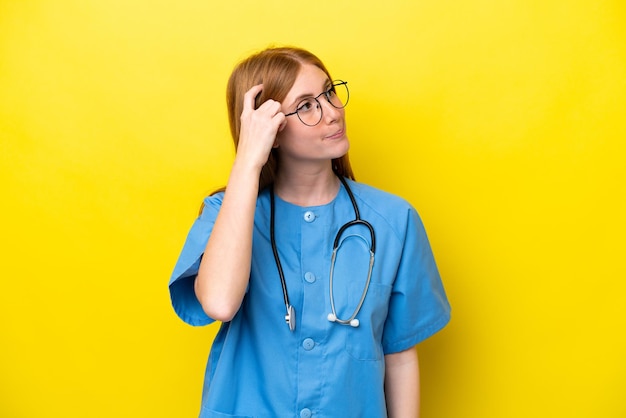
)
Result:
{"points": [[278, 134]]}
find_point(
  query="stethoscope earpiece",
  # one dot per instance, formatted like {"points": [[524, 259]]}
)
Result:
{"points": [[354, 323]]}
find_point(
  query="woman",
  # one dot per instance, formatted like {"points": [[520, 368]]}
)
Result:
{"points": [[307, 331]]}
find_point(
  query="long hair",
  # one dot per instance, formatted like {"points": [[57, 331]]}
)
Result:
{"points": [[277, 69]]}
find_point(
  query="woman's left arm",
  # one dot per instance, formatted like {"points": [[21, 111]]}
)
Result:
{"points": [[402, 384]]}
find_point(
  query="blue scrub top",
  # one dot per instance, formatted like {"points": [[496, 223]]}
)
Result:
{"points": [[258, 367]]}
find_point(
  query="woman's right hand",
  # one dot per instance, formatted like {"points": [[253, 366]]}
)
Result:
{"points": [[259, 128]]}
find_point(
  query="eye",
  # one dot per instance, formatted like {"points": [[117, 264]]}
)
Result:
{"points": [[306, 106], [331, 92]]}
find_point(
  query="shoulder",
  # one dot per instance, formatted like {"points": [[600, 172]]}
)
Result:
{"points": [[388, 208], [215, 198], [211, 205], [379, 200]]}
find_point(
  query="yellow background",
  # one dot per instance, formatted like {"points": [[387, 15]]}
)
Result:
{"points": [[503, 122]]}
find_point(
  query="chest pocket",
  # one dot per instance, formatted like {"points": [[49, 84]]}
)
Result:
{"points": [[365, 341]]}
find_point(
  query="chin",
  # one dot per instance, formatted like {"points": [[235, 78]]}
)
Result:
{"points": [[343, 146]]}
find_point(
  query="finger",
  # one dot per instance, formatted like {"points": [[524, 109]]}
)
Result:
{"points": [[250, 96], [271, 106], [282, 120]]}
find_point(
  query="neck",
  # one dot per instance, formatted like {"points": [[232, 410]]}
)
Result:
{"points": [[307, 186]]}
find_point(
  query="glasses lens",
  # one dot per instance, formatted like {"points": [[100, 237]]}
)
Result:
{"points": [[310, 111], [339, 95]]}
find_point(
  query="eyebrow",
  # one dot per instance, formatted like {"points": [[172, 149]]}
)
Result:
{"points": [[297, 100]]}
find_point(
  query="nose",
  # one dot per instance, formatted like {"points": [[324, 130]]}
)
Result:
{"points": [[329, 112]]}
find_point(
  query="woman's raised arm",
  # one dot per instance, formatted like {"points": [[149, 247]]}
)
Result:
{"points": [[225, 267]]}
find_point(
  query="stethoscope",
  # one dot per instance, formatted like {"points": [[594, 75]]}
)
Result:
{"points": [[290, 317]]}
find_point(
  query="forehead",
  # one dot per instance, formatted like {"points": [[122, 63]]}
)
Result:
{"points": [[311, 81]]}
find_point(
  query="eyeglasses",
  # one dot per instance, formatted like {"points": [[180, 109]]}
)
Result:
{"points": [[309, 109]]}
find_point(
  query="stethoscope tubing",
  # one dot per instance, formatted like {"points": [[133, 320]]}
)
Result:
{"points": [[332, 317], [290, 316]]}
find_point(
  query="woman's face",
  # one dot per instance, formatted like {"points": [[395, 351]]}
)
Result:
{"points": [[322, 142]]}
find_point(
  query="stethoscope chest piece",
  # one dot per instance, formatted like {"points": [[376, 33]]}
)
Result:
{"points": [[290, 318]]}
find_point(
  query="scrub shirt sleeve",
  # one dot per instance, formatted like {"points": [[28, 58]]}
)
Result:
{"points": [[418, 306], [181, 284]]}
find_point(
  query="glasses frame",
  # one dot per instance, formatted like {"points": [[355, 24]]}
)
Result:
{"points": [[326, 94]]}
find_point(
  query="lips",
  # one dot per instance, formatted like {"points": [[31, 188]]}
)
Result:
{"points": [[336, 135]]}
